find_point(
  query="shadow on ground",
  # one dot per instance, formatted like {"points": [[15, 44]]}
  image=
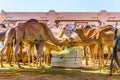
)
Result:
{"points": [[52, 73]]}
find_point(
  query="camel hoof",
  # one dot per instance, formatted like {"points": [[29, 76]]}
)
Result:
{"points": [[11, 65], [20, 67], [39, 67]]}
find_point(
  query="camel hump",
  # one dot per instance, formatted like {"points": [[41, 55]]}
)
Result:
{"points": [[32, 21]]}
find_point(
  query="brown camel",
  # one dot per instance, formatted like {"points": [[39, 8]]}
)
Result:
{"points": [[35, 32], [97, 38], [103, 31]]}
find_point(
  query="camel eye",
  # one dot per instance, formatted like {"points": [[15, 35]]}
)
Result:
{"points": [[77, 29]]}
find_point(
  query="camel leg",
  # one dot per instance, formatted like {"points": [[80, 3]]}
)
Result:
{"points": [[2, 51], [22, 54], [11, 55], [1, 59], [85, 55], [32, 53], [109, 55], [47, 57], [93, 55], [36, 52], [29, 57], [44, 57], [1, 55], [8, 53], [16, 54], [39, 53], [101, 56], [28, 53]]}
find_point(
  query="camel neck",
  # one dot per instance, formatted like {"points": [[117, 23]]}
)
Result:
{"points": [[83, 37]]}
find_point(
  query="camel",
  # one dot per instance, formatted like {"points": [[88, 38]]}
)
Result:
{"points": [[29, 50], [47, 53], [3, 31], [105, 36], [10, 37], [94, 31], [10, 34], [35, 32], [30, 47], [97, 38]]}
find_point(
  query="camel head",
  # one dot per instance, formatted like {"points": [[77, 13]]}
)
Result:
{"points": [[77, 29]]}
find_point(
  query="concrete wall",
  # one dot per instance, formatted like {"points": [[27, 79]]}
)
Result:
{"points": [[51, 17]]}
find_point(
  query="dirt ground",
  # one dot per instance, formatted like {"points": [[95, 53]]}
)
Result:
{"points": [[50, 73]]}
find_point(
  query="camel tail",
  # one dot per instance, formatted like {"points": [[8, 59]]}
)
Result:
{"points": [[10, 35]]}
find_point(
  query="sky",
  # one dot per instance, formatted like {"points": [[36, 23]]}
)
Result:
{"points": [[60, 5]]}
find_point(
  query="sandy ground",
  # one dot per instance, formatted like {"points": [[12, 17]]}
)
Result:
{"points": [[50, 73]]}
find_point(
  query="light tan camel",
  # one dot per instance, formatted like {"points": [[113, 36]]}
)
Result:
{"points": [[35, 32], [97, 38], [29, 50], [8, 48]]}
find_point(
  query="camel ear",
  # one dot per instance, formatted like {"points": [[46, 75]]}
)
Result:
{"points": [[74, 29]]}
